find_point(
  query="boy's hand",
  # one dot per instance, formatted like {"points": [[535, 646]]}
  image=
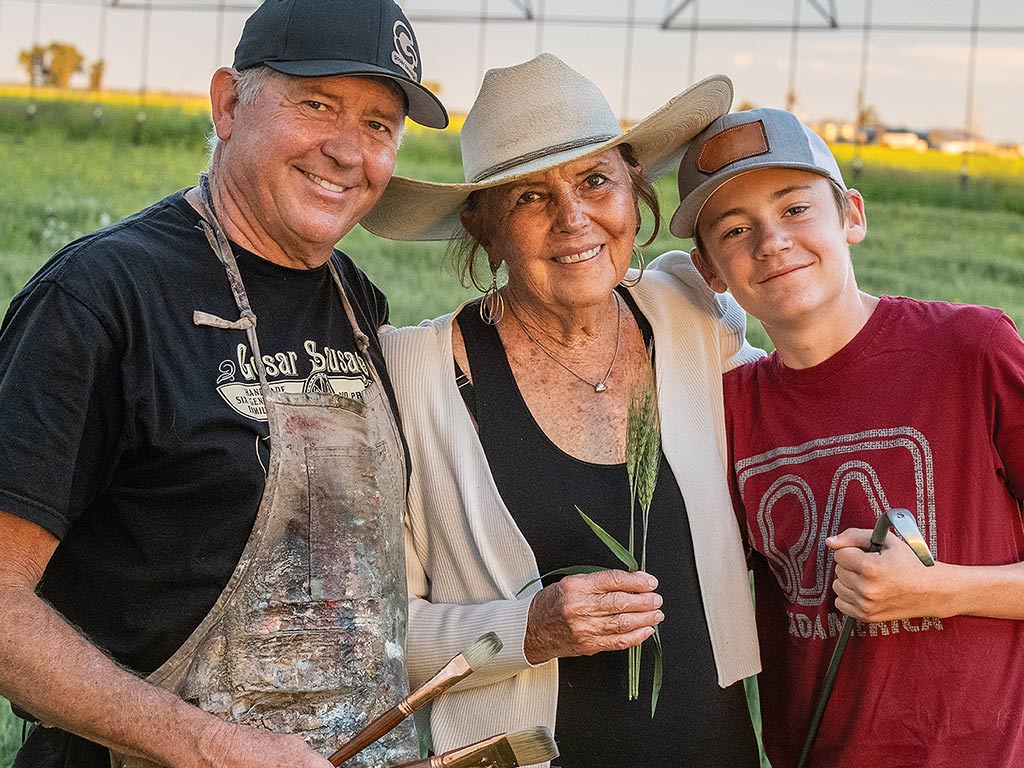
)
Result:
{"points": [[887, 585]]}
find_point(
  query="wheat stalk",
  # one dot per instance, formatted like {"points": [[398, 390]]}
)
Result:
{"points": [[643, 458]]}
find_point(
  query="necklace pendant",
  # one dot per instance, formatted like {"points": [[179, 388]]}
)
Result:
{"points": [[600, 387]]}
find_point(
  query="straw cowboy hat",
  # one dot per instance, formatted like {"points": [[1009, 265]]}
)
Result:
{"points": [[532, 117]]}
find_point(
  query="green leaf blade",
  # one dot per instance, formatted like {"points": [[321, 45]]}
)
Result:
{"points": [[569, 570], [609, 541], [659, 671]]}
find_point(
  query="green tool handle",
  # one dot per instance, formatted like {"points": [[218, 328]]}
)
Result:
{"points": [[877, 539]]}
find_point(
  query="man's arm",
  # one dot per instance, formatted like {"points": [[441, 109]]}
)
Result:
{"points": [[894, 584], [51, 670]]}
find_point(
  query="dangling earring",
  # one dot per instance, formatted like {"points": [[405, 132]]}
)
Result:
{"points": [[640, 258], [492, 304]]}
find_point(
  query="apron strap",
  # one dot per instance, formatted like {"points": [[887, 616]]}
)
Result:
{"points": [[244, 323], [247, 319], [363, 346], [362, 340]]}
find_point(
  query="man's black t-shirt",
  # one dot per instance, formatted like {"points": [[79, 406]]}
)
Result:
{"points": [[137, 437]]}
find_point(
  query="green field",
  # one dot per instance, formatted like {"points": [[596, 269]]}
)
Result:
{"points": [[65, 174]]}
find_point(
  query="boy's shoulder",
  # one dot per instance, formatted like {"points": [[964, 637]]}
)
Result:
{"points": [[941, 312], [902, 325], [741, 381], [940, 327]]}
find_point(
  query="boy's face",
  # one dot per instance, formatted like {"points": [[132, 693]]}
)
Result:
{"points": [[774, 238]]}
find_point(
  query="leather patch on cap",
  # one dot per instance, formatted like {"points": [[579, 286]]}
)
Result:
{"points": [[731, 145]]}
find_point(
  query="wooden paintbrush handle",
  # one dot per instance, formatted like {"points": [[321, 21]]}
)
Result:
{"points": [[368, 735], [454, 671]]}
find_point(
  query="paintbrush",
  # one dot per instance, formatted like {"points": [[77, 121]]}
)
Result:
{"points": [[475, 656], [508, 750]]}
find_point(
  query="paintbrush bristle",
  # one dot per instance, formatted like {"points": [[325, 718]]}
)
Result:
{"points": [[483, 650], [532, 745]]}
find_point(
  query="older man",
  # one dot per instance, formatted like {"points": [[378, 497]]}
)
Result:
{"points": [[189, 500]]}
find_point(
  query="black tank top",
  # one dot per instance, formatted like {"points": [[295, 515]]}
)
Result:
{"points": [[697, 724]]}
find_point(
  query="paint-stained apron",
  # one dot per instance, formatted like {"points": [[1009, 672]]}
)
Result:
{"points": [[308, 636]]}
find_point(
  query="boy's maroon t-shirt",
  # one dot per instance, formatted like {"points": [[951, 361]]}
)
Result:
{"points": [[923, 409]]}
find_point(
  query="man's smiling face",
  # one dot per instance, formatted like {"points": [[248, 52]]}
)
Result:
{"points": [[308, 158]]}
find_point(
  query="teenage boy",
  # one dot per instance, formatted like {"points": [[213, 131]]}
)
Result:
{"points": [[867, 403]]}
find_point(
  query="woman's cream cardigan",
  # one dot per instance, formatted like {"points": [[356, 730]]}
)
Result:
{"points": [[466, 559]]}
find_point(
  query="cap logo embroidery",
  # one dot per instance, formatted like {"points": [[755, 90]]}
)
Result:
{"points": [[405, 54], [732, 145]]}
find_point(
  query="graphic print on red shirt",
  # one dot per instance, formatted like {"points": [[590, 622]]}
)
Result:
{"points": [[806, 490]]}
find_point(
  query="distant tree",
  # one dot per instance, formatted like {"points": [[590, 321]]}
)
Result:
{"points": [[52, 65], [868, 117], [34, 62], [65, 61], [745, 105], [791, 101], [96, 75]]}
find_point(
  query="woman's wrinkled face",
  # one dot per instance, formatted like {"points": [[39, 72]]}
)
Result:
{"points": [[566, 234]]}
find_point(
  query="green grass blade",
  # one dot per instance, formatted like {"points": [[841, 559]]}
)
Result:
{"points": [[569, 570], [630, 673], [632, 519], [609, 541], [659, 671], [634, 688]]}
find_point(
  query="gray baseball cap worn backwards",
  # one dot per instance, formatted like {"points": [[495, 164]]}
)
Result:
{"points": [[318, 38], [739, 143]]}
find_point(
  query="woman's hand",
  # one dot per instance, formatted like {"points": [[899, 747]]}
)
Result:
{"points": [[589, 613]]}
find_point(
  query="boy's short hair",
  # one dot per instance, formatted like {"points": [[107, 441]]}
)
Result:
{"points": [[746, 141]]}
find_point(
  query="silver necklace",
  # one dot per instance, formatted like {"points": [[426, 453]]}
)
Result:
{"points": [[599, 386]]}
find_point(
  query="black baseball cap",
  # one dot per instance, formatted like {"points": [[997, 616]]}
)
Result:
{"points": [[317, 38]]}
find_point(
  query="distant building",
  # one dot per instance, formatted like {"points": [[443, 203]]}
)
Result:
{"points": [[949, 141], [956, 142], [902, 138], [836, 131]]}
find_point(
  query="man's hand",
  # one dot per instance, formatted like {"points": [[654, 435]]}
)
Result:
{"points": [[237, 746], [588, 613], [890, 584], [89, 695]]}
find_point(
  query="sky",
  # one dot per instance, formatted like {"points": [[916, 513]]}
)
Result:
{"points": [[914, 79]]}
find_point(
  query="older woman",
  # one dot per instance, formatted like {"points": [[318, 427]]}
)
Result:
{"points": [[515, 407]]}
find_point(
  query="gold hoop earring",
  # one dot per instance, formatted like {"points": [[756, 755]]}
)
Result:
{"points": [[492, 304], [640, 258]]}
